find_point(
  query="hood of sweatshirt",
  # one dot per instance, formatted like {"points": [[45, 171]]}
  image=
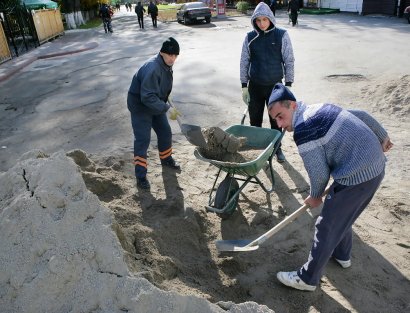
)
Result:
{"points": [[262, 9]]}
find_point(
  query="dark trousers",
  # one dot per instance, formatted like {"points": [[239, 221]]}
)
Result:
{"points": [[141, 126], [154, 21], [259, 97], [333, 229], [141, 21], [294, 16], [273, 9], [107, 24]]}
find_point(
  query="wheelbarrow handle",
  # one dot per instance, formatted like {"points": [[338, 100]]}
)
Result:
{"points": [[244, 115]]}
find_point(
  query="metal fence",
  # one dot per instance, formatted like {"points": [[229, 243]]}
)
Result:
{"points": [[19, 30], [22, 30]]}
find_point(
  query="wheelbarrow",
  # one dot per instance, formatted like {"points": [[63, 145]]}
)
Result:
{"points": [[224, 199]]}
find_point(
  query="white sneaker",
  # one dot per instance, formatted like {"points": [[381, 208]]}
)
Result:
{"points": [[293, 280], [344, 264]]}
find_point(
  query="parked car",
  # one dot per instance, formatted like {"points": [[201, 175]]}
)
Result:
{"points": [[194, 12]]}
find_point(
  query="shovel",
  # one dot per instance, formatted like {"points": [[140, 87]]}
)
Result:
{"points": [[192, 133], [244, 115], [250, 245]]}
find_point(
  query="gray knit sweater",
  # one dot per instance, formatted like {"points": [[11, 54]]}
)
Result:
{"points": [[344, 144]]}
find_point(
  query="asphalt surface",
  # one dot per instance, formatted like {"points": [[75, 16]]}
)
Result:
{"points": [[71, 42], [71, 92]]}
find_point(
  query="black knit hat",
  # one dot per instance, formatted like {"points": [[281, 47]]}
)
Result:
{"points": [[170, 46], [280, 93]]}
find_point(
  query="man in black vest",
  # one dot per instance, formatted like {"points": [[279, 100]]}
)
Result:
{"points": [[266, 59]]}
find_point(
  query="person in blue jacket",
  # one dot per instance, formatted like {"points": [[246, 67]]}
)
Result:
{"points": [[266, 59], [347, 145], [148, 103]]}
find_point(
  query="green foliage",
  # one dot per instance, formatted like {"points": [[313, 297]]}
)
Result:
{"points": [[95, 22], [69, 6], [9, 5], [242, 6]]}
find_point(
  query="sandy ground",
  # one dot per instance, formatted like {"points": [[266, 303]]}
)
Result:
{"points": [[170, 238]]}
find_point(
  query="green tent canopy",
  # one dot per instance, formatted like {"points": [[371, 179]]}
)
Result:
{"points": [[40, 4]]}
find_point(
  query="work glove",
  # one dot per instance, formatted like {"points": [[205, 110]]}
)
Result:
{"points": [[245, 95], [174, 113], [288, 84]]}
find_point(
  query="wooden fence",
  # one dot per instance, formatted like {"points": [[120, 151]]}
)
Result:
{"points": [[4, 47], [48, 24]]}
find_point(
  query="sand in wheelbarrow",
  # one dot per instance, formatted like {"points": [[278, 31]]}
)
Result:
{"points": [[226, 147]]}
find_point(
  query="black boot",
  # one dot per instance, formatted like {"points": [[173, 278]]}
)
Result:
{"points": [[143, 183], [170, 162], [280, 157]]}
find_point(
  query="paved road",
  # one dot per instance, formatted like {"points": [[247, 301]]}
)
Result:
{"points": [[78, 100]]}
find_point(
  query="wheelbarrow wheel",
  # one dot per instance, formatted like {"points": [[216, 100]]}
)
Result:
{"points": [[226, 190]]}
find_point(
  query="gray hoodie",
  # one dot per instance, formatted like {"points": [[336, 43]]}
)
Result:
{"points": [[288, 60]]}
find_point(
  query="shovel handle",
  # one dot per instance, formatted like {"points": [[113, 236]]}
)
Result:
{"points": [[283, 223]]}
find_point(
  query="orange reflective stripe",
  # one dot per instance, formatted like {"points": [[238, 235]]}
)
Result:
{"points": [[141, 164], [138, 158], [165, 154], [162, 157], [140, 161]]}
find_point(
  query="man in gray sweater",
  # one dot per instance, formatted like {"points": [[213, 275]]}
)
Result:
{"points": [[348, 145]]}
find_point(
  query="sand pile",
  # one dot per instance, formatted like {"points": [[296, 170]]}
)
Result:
{"points": [[59, 253], [390, 98], [226, 147], [220, 145]]}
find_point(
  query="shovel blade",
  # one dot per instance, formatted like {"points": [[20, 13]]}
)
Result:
{"points": [[194, 135], [235, 245]]}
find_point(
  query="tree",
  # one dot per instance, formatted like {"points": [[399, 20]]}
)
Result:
{"points": [[9, 5]]}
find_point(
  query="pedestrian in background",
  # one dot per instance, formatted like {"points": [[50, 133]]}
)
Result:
{"points": [[273, 7], [139, 10], [153, 11], [266, 58], [105, 14], [293, 8], [348, 145], [147, 102]]}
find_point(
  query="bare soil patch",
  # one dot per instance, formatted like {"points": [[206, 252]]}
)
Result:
{"points": [[169, 237]]}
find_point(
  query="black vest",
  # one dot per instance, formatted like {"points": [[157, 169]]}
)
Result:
{"points": [[266, 63]]}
